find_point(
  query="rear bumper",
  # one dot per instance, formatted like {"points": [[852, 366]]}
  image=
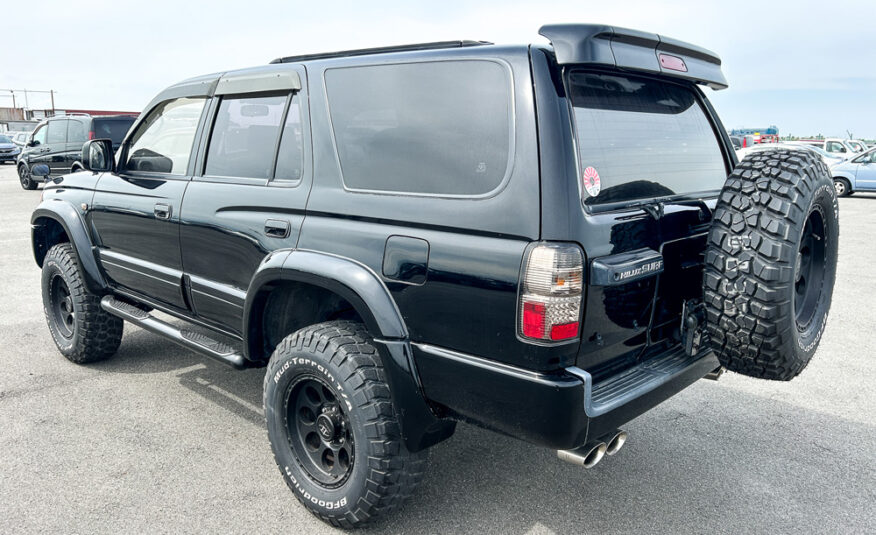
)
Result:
{"points": [[559, 411]]}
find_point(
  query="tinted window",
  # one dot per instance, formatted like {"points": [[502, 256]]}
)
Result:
{"points": [[39, 135], [76, 132], [245, 136], [114, 129], [291, 156], [163, 141], [642, 138], [435, 128], [57, 132]]}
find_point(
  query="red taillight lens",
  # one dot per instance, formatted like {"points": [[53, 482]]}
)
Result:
{"points": [[550, 293], [533, 320], [91, 135], [565, 331]]}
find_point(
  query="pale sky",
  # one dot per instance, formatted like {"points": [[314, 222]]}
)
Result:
{"points": [[808, 67]]}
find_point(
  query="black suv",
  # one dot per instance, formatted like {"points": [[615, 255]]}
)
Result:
{"points": [[545, 241], [57, 142]]}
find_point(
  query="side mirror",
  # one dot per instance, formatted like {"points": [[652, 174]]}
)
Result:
{"points": [[41, 170], [97, 155], [33, 143]]}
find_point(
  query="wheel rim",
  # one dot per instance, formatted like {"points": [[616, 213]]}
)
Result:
{"points": [[840, 187], [809, 269], [319, 431], [22, 174], [63, 314]]}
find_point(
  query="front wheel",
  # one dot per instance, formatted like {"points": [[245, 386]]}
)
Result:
{"points": [[27, 181], [82, 330], [333, 427]]}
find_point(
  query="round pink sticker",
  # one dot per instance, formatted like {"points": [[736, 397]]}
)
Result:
{"points": [[590, 180]]}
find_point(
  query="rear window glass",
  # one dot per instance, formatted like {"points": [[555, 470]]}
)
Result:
{"points": [[439, 128], [640, 138], [245, 137], [114, 129]]}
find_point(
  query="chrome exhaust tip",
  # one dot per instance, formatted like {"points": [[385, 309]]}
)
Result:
{"points": [[587, 456], [616, 441]]}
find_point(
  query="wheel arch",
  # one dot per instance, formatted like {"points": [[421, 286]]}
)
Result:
{"points": [[56, 222], [354, 285]]}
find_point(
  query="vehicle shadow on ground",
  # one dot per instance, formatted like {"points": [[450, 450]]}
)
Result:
{"points": [[682, 470], [239, 392]]}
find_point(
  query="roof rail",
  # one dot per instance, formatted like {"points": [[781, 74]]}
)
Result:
{"points": [[381, 50]]}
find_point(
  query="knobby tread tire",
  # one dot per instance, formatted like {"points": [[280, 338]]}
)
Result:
{"points": [[392, 473], [97, 333], [750, 263]]}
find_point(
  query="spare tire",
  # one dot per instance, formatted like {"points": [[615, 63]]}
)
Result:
{"points": [[770, 263]]}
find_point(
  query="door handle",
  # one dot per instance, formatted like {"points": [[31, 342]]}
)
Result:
{"points": [[163, 211], [276, 228]]}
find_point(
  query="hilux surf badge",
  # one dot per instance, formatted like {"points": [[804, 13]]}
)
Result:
{"points": [[590, 180]]}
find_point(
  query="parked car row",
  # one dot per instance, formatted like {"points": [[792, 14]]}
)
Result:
{"points": [[57, 142]]}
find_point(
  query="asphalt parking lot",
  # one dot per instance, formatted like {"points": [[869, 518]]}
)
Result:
{"points": [[159, 439]]}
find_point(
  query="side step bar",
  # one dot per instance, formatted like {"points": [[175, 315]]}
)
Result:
{"points": [[184, 337]]}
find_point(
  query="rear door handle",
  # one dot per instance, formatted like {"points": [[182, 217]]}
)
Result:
{"points": [[276, 228], [163, 211]]}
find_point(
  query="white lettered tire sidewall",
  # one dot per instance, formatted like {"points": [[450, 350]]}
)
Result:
{"points": [[279, 379]]}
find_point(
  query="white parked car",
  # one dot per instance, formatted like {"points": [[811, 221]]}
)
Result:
{"points": [[858, 145], [829, 159], [833, 145]]}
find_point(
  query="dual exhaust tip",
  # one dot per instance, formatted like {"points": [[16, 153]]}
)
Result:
{"points": [[591, 453]]}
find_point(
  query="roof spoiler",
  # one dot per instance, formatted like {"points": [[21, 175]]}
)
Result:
{"points": [[631, 49]]}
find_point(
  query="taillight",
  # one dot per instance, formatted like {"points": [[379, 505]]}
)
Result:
{"points": [[90, 135], [550, 293]]}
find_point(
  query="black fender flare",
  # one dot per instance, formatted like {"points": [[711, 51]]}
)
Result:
{"points": [[366, 292], [70, 219]]}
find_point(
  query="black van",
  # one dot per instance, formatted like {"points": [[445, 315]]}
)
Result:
{"points": [[57, 142]]}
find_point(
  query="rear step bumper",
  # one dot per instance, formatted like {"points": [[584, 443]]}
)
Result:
{"points": [[184, 337], [561, 411]]}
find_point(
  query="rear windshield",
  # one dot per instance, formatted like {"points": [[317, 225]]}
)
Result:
{"points": [[114, 129], [640, 138]]}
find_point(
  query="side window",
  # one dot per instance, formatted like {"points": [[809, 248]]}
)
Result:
{"points": [[290, 159], [440, 127], [39, 135], [244, 136], [163, 141], [833, 146], [75, 131], [57, 132]]}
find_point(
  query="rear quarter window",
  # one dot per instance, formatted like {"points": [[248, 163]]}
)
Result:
{"points": [[433, 128]]}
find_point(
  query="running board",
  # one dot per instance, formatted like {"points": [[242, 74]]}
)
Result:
{"points": [[192, 340]]}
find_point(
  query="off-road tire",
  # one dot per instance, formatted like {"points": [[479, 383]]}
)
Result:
{"points": [[753, 263], [94, 334], [25, 179], [383, 473]]}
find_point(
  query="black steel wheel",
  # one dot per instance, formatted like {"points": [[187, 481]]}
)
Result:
{"points": [[24, 177], [319, 431], [63, 313], [809, 269], [333, 427]]}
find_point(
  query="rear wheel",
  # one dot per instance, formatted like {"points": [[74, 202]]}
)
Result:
{"points": [[24, 177], [842, 186], [771, 264], [333, 427]]}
